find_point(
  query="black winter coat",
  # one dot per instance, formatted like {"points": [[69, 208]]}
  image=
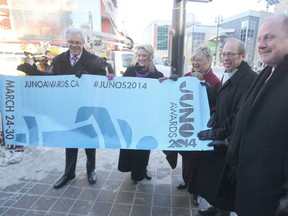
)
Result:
{"points": [[231, 94], [228, 100], [131, 72], [88, 62], [135, 161], [259, 146]]}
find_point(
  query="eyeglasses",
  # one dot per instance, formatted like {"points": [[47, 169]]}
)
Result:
{"points": [[196, 60], [75, 42], [229, 54]]}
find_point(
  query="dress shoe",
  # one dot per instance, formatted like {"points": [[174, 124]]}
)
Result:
{"points": [[211, 211], [62, 181], [148, 175], [182, 186], [196, 200], [92, 177], [135, 182], [223, 213]]}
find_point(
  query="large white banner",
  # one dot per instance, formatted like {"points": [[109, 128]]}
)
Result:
{"points": [[92, 112]]}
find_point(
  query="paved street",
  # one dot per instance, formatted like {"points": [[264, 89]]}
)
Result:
{"points": [[30, 188], [26, 188]]}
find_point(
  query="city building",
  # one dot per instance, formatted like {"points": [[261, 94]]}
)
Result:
{"points": [[38, 21], [200, 34], [157, 34], [42, 23], [243, 26]]}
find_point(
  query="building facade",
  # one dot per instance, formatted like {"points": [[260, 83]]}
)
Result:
{"points": [[157, 33], [245, 27]]}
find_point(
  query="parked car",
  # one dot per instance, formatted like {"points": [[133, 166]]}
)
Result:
{"points": [[120, 60]]}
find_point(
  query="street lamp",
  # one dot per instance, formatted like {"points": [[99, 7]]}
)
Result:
{"points": [[177, 32], [90, 19], [217, 20]]}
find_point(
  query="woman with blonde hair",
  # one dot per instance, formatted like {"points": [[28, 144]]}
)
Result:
{"points": [[130, 160], [201, 60]]}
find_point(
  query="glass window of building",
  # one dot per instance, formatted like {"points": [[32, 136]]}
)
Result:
{"points": [[162, 38]]}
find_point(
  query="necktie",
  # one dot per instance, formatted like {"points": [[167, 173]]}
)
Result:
{"points": [[74, 60], [225, 77]]}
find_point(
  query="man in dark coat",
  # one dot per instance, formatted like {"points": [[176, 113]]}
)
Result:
{"points": [[258, 152], [236, 80], [76, 61]]}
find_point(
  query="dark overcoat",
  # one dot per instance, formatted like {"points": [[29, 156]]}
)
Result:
{"points": [[88, 62], [259, 145], [91, 64], [135, 161], [228, 100]]}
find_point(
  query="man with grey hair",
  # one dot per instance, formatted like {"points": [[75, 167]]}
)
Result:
{"points": [[77, 60], [257, 159], [237, 79]]}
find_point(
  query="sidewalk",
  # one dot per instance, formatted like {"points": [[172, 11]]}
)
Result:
{"points": [[27, 187]]}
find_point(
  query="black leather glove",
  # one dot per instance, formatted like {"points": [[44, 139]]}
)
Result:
{"points": [[212, 121], [174, 77], [28, 69], [212, 134], [282, 209], [206, 84], [219, 145], [79, 73]]}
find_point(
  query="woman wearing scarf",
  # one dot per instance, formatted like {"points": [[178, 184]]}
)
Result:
{"points": [[201, 60], [136, 161]]}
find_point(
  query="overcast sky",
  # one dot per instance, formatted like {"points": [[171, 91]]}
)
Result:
{"points": [[138, 14]]}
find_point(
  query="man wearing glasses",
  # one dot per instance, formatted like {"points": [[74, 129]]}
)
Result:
{"points": [[77, 60], [237, 78]]}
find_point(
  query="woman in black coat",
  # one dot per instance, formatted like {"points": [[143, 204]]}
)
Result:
{"points": [[130, 160]]}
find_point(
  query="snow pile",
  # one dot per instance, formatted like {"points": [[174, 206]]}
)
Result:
{"points": [[9, 156]]}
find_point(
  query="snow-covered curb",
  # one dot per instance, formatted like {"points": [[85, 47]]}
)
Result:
{"points": [[32, 163], [9, 156]]}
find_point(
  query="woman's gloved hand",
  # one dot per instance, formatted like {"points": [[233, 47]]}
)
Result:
{"points": [[172, 77]]}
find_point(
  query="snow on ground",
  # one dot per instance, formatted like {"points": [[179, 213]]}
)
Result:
{"points": [[32, 163]]}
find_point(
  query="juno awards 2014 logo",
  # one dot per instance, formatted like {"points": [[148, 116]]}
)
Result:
{"points": [[87, 133], [181, 127]]}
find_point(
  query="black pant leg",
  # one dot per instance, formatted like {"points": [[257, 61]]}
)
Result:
{"points": [[185, 157], [140, 160], [91, 159], [71, 160]]}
